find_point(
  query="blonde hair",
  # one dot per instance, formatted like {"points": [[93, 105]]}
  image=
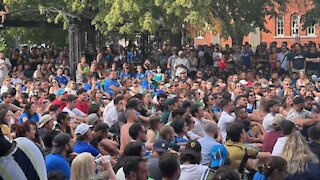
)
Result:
{"points": [[297, 154], [81, 167]]}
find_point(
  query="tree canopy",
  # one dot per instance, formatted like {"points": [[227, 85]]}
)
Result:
{"points": [[233, 18]]}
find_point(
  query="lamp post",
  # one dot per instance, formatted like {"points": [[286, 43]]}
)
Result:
{"points": [[73, 49]]}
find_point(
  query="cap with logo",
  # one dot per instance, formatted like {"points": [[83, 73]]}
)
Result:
{"points": [[82, 129], [218, 155], [193, 148], [59, 141], [160, 145]]}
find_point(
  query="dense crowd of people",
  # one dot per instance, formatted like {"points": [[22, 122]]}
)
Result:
{"points": [[203, 112]]}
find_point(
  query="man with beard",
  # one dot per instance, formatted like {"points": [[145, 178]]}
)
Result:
{"points": [[56, 160], [161, 100], [100, 141], [311, 105], [272, 108]]}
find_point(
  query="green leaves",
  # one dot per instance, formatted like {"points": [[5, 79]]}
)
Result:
{"points": [[3, 44]]}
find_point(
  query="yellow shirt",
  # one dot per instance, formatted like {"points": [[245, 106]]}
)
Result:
{"points": [[237, 153]]}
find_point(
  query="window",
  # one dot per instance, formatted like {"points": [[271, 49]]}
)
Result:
{"points": [[311, 30], [295, 21], [280, 26]]}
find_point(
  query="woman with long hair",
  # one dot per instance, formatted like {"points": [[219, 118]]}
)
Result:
{"points": [[84, 167], [147, 102], [252, 102], [302, 162], [208, 103], [71, 88], [303, 79], [275, 168], [29, 113], [273, 58], [260, 113], [63, 126], [154, 128], [286, 105], [5, 120], [54, 87], [29, 130]]}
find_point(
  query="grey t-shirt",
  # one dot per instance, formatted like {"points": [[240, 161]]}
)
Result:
{"points": [[153, 168]]}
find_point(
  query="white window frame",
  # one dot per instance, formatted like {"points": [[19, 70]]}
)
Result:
{"points": [[311, 30], [295, 24], [280, 25]]}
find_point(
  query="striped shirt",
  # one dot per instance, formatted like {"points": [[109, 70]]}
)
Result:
{"points": [[24, 162]]}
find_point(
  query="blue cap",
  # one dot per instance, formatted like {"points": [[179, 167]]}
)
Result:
{"points": [[160, 91], [218, 155], [60, 92], [149, 72]]}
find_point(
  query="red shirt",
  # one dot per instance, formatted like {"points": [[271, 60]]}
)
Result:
{"points": [[62, 104], [82, 106], [270, 139], [223, 65]]}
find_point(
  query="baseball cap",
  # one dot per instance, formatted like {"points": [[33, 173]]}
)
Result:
{"points": [[149, 72], [278, 118], [160, 145], [44, 119], [218, 155], [193, 148], [181, 70], [160, 91], [60, 92], [167, 85], [59, 141], [298, 100], [41, 100], [82, 129], [92, 118], [287, 127]]}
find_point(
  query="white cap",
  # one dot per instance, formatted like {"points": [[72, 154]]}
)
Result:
{"points": [[82, 129], [243, 82]]}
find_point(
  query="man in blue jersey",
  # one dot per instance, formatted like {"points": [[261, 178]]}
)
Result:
{"points": [[56, 160]]}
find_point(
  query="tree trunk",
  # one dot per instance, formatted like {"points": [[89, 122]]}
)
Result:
{"points": [[176, 39], [237, 39]]}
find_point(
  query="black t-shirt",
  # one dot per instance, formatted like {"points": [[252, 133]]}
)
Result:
{"points": [[297, 60], [313, 65]]}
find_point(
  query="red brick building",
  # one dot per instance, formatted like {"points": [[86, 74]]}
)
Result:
{"points": [[286, 27]]}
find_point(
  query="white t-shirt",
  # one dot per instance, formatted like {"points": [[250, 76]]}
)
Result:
{"points": [[199, 127], [109, 106], [267, 122], [278, 147], [111, 117], [216, 55], [224, 120], [73, 112], [192, 171], [120, 174], [4, 71], [181, 61]]}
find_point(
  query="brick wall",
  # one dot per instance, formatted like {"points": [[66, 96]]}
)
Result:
{"points": [[293, 8]]}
